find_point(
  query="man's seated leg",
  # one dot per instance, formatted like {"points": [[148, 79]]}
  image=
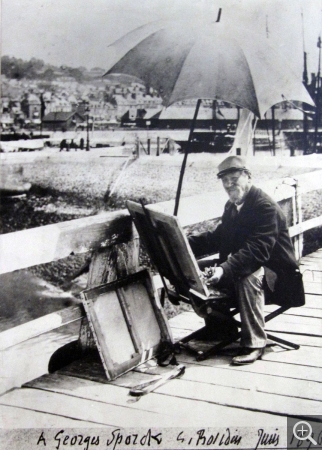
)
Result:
{"points": [[251, 301], [220, 324]]}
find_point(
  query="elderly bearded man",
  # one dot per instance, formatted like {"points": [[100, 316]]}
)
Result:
{"points": [[256, 255]]}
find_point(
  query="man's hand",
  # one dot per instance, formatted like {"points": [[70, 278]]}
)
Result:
{"points": [[213, 275]]}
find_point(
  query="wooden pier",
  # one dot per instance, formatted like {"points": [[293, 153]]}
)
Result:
{"points": [[284, 383], [211, 392]]}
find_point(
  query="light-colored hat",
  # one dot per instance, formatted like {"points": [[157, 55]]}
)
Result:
{"points": [[231, 164]]}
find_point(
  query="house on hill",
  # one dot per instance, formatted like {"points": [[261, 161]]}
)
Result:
{"points": [[31, 106], [62, 121]]}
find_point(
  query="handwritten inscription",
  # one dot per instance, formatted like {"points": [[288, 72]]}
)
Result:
{"points": [[203, 439], [306, 443], [119, 439], [267, 439], [146, 439], [62, 440]]}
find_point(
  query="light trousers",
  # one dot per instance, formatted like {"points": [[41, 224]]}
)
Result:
{"points": [[251, 301]]}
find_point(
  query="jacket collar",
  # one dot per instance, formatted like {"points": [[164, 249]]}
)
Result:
{"points": [[249, 200]]}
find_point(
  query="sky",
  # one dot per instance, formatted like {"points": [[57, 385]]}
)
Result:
{"points": [[77, 32]]}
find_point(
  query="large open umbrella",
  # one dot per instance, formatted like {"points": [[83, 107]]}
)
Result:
{"points": [[206, 60]]}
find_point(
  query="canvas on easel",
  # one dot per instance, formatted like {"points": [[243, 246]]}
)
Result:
{"points": [[127, 321], [168, 248]]}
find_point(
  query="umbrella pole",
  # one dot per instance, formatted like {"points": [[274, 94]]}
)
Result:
{"points": [[184, 162]]}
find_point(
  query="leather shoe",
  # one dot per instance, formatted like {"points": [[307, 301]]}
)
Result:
{"points": [[247, 356]]}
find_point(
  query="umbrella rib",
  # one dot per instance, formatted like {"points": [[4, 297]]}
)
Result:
{"points": [[180, 71], [137, 41], [251, 76]]}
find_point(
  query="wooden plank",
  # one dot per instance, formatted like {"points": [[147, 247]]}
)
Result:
{"points": [[52, 242], [292, 323], [310, 326], [311, 267], [93, 411], [312, 260], [179, 333], [12, 417], [314, 268], [313, 301], [256, 384], [30, 359], [313, 273], [309, 341], [184, 410], [314, 280], [44, 324], [310, 181], [115, 392], [305, 310], [270, 384], [304, 356], [274, 382], [187, 320], [314, 255], [315, 262], [240, 398], [89, 367], [260, 367], [305, 226], [309, 357], [312, 288]]}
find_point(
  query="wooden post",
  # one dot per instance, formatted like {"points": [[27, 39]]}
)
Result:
{"points": [[254, 137], [317, 98], [183, 167], [108, 265], [137, 146], [158, 146], [298, 204], [149, 146], [273, 129], [294, 221]]}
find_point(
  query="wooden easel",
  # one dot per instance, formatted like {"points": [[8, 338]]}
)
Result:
{"points": [[170, 252]]}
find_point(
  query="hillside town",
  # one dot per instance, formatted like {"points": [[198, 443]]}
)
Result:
{"points": [[49, 98], [38, 99], [64, 102]]}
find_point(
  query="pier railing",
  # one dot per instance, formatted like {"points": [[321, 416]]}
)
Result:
{"points": [[112, 240]]}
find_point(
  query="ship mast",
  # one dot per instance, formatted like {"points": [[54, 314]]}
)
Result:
{"points": [[317, 96], [305, 82]]}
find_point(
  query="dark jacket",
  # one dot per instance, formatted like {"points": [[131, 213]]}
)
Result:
{"points": [[257, 236]]}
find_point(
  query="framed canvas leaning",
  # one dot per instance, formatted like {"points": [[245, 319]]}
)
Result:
{"points": [[127, 321]]}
